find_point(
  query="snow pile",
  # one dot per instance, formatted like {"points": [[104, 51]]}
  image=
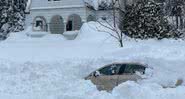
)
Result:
{"points": [[132, 90], [71, 35], [29, 80], [95, 32], [64, 79], [53, 37], [37, 34], [16, 36], [19, 35], [53, 68], [71, 32], [29, 36]]}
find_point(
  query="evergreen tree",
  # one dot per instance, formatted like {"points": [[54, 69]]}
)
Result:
{"points": [[146, 20], [12, 16]]}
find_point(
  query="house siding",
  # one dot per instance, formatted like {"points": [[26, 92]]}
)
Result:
{"points": [[62, 3], [64, 13], [64, 8]]}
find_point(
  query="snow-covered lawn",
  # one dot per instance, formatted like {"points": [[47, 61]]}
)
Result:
{"points": [[52, 67]]}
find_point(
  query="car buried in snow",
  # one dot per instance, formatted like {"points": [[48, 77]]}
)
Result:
{"points": [[111, 75]]}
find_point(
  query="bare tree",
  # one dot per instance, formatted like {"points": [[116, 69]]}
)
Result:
{"points": [[175, 9], [113, 21]]}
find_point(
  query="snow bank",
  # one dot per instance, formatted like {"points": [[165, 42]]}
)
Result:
{"points": [[95, 32], [29, 36], [37, 34], [132, 90], [53, 37], [64, 79], [53, 68], [71, 35], [19, 35], [16, 36]]}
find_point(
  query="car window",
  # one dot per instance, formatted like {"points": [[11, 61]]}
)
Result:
{"points": [[129, 68], [140, 68], [132, 68], [119, 69], [109, 70], [122, 68]]}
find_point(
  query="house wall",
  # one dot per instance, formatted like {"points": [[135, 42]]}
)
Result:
{"points": [[28, 20], [50, 8], [64, 13], [50, 4], [63, 8]]}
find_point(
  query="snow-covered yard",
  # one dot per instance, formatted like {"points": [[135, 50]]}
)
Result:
{"points": [[52, 67]]}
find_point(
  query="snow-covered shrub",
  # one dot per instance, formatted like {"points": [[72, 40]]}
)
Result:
{"points": [[146, 20], [12, 16]]}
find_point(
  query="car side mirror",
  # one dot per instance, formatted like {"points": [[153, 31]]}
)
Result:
{"points": [[96, 74]]}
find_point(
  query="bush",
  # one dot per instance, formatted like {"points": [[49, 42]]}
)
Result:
{"points": [[146, 20], [12, 16]]}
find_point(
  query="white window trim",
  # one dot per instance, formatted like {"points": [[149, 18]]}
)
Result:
{"points": [[59, 7]]}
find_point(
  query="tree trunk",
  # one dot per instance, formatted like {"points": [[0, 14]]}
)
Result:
{"points": [[114, 13], [121, 43], [181, 22], [177, 22]]}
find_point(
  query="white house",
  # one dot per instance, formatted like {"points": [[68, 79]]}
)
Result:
{"points": [[58, 16]]}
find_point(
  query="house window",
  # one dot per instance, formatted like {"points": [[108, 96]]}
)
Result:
{"points": [[69, 25], [39, 23], [57, 25], [74, 23]]}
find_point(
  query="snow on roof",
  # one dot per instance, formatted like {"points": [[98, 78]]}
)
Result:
{"points": [[93, 3], [96, 3]]}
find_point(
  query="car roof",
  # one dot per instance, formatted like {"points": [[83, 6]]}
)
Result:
{"points": [[131, 63], [144, 65]]}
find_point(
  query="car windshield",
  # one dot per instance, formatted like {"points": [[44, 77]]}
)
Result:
{"points": [[122, 68], [131, 68], [119, 69], [139, 68], [109, 70]]}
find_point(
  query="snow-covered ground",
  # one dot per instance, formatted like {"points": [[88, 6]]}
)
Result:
{"points": [[52, 67]]}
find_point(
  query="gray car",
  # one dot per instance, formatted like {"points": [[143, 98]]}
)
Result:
{"points": [[110, 76]]}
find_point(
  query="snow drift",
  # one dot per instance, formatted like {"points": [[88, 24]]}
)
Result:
{"points": [[52, 68]]}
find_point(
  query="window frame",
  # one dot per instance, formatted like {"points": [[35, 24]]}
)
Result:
{"points": [[109, 66], [39, 23]]}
